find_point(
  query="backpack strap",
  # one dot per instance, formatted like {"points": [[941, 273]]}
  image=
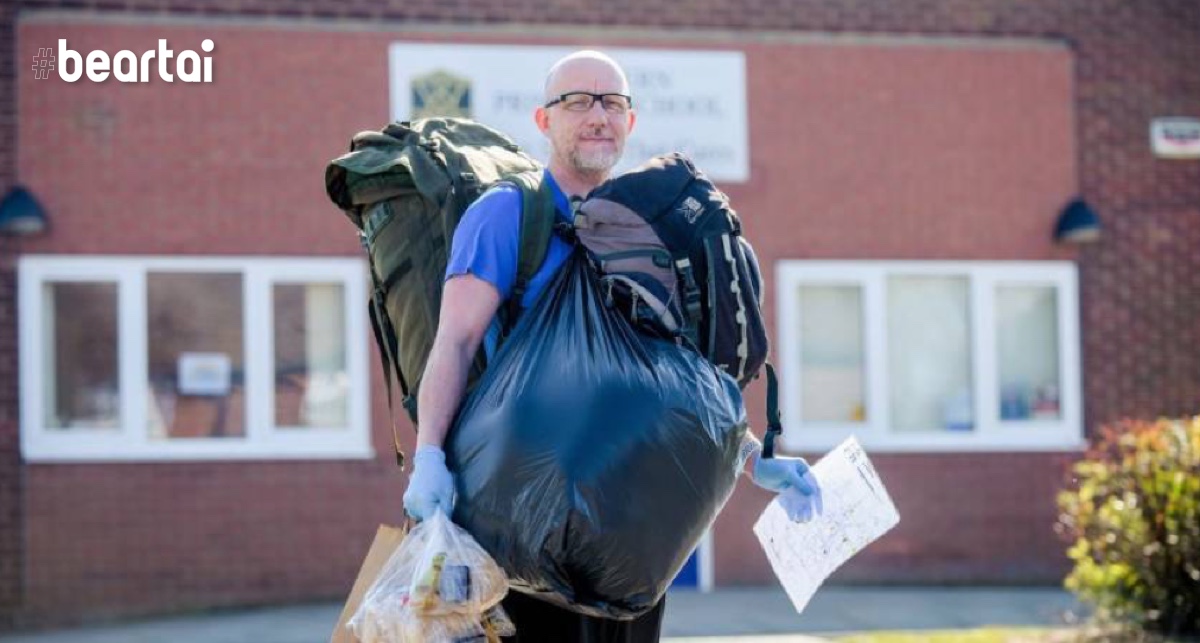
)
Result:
{"points": [[537, 224], [385, 340], [691, 298], [774, 425], [381, 326]]}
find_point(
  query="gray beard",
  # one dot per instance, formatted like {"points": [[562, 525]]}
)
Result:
{"points": [[596, 162]]}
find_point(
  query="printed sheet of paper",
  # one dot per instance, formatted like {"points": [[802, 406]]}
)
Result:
{"points": [[856, 510]]}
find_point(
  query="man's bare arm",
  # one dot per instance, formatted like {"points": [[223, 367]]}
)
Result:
{"points": [[468, 306]]}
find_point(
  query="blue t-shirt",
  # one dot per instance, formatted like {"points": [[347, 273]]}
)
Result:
{"points": [[487, 240]]}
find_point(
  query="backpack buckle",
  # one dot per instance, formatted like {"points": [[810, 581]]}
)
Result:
{"points": [[691, 292], [566, 231], [768, 448]]}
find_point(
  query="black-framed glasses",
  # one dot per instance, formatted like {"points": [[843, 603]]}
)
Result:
{"points": [[583, 101]]}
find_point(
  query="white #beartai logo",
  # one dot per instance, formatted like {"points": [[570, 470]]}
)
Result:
{"points": [[127, 67]]}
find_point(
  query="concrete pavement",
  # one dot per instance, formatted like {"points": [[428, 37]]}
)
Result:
{"points": [[724, 616]]}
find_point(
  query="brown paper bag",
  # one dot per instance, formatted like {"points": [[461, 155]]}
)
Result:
{"points": [[387, 539]]}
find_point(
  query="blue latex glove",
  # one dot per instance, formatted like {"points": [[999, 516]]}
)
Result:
{"points": [[431, 486], [800, 507], [800, 493], [781, 473]]}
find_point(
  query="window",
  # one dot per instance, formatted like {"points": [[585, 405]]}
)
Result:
{"points": [[192, 358], [832, 358], [913, 356]]}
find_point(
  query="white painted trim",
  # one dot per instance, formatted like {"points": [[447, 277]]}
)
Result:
{"points": [[131, 442], [134, 359], [990, 434], [984, 361], [875, 324], [705, 557], [257, 315], [1070, 338]]}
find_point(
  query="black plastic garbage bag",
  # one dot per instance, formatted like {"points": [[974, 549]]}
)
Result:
{"points": [[591, 459]]}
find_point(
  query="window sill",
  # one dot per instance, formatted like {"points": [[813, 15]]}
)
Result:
{"points": [[95, 449], [997, 439]]}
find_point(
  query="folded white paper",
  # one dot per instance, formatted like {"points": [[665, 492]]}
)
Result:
{"points": [[852, 511]]}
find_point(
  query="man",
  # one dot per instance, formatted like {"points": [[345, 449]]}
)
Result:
{"points": [[587, 115]]}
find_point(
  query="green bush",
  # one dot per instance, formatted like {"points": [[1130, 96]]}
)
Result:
{"points": [[1133, 514]]}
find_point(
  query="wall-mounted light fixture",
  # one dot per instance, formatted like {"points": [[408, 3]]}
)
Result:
{"points": [[21, 215], [1077, 223]]}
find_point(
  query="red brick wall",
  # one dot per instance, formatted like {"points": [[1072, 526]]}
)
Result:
{"points": [[964, 518], [10, 455], [229, 169], [11, 478], [967, 517], [869, 150], [109, 540]]}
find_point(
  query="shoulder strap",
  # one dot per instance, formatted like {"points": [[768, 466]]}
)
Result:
{"points": [[774, 425], [537, 224], [385, 340]]}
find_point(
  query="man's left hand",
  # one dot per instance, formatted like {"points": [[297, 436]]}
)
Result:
{"points": [[800, 493]]}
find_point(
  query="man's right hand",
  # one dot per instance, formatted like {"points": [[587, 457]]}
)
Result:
{"points": [[431, 486]]}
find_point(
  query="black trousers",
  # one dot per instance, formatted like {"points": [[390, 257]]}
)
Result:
{"points": [[540, 622]]}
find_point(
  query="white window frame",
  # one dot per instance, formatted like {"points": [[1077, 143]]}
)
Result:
{"points": [[990, 433], [131, 442]]}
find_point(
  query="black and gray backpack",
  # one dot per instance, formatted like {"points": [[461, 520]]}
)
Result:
{"points": [[673, 258]]}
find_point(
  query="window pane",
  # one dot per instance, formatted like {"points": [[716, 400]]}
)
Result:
{"points": [[832, 376], [196, 355], [311, 381], [81, 385], [1027, 350], [929, 353]]}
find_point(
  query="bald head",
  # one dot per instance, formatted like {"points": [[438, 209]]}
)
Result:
{"points": [[587, 136], [584, 71]]}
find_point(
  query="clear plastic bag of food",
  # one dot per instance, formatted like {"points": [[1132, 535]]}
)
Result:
{"points": [[445, 628], [439, 586]]}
